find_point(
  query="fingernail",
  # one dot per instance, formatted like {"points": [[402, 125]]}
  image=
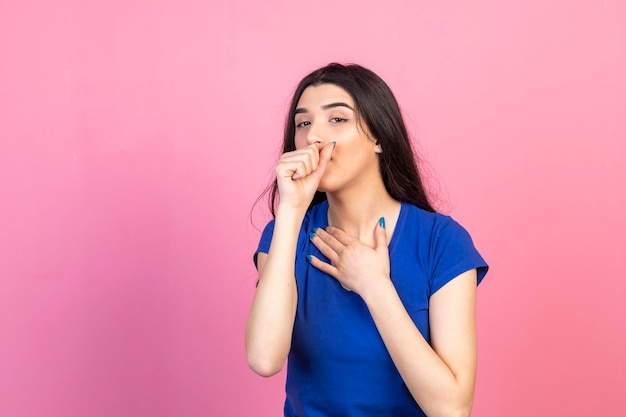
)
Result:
{"points": [[315, 229], [311, 235], [382, 222], [309, 258], [334, 144]]}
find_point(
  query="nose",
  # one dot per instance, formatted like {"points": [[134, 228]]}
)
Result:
{"points": [[316, 135]]}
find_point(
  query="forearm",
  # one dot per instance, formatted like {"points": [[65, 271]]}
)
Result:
{"points": [[438, 389], [270, 321]]}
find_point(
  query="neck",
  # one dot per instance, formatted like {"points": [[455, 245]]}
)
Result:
{"points": [[358, 212]]}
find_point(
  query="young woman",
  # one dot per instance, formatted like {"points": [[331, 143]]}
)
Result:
{"points": [[368, 292]]}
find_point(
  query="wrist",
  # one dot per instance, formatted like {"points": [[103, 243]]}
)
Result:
{"points": [[288, 219], [288, 211], [377, 290]]}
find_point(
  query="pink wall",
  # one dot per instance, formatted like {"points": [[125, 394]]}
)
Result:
{"points": [[135, 137]]}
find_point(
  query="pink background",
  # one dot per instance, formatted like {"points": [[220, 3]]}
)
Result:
{"points": [[136, 135]]}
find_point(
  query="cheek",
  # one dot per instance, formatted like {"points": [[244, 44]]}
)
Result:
{"points": [[300, 141]]}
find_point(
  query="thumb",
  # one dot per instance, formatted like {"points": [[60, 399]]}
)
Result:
{"points": [[380, 235], [325, 154]]}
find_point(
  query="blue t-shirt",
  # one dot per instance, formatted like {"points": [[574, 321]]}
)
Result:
{"points": [[338, 365]]}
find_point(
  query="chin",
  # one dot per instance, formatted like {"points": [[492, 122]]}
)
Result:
{"points": [[321, 189], [325, 187], [332, 181]]}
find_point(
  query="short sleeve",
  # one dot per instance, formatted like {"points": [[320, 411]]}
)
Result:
{"points": [[266, 240], [453, 253]]}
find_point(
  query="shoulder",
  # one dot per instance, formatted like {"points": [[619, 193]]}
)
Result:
{"points": [[435, 235], [446, 245], [434, 224]]}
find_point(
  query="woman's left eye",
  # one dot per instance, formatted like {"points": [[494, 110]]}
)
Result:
{"points": [[337, 120]]}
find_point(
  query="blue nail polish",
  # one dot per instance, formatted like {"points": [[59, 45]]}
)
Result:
{"points": [[315, 229], [311, 235], [309, 258], [382, 222]]}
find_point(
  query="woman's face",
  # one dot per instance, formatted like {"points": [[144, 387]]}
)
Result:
{"points": [[326, 113]]}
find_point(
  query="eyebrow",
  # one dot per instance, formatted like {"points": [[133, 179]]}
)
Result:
{"points": [[325, 107]]}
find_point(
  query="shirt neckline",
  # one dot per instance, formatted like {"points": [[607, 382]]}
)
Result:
{"points": [[399, 223]]}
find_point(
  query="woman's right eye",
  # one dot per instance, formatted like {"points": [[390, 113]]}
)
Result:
{"points": [[303, 124]]}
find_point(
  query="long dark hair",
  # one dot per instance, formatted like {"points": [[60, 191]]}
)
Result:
{"points": [[377, 107]]}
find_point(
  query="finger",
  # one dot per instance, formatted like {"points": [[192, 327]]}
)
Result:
{"points": [[326, 249], [314, 152], [380, 235], [293, 169], [310, 155], [324, 157], [323, 266], [341, 236], [296, 165], [327, 242]]}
